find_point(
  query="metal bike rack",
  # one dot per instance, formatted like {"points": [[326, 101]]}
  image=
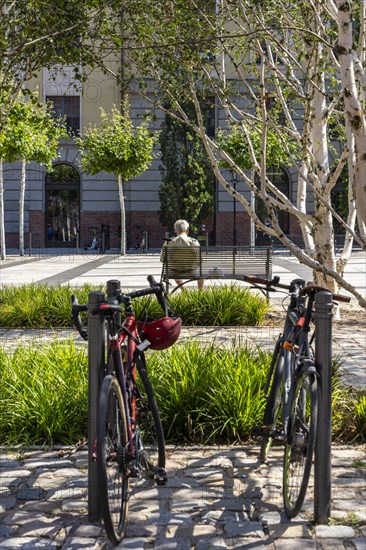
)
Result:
{"points": [[323, 359], [96, 355]]}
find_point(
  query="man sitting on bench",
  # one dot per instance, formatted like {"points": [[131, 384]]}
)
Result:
{"points": [[183, 256]]}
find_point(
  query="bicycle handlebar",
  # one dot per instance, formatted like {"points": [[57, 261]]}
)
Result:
{"points": [[300, 284], [155, 288], [76, 309], [312, 289], [265, 282]]}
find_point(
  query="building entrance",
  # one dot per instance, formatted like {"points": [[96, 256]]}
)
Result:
{"points": [[62, 206]]}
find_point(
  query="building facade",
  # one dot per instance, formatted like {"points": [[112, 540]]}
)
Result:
{"points": [[67, 208]]}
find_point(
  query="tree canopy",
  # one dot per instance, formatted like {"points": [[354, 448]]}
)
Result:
{"points": [[116, 146], [292, 70]]}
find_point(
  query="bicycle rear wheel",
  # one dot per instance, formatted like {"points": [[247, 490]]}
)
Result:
{"points": [[149, 429], [300, 443], [113, 482], [273, 405]]}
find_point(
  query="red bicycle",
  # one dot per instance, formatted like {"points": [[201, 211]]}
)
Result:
{"points": [[129, 443]]}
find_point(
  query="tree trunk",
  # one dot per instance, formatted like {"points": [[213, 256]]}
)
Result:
{"points": [[21, 209], [123, 216], [2, 218], [354, 113]]}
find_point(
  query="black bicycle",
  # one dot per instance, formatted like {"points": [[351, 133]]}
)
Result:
{"points": [[291, 390], [129, 445]]}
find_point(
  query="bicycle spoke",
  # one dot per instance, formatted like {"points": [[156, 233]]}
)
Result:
{"points": [[150, 436], [299, 447], [113, 480]]}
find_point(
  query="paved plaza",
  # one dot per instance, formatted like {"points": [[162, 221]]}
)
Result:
{"points": [[217, 497]]}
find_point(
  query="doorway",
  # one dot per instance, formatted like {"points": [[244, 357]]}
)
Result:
{"points": [[62, 206]]}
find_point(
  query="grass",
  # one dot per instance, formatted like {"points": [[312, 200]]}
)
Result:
{"points": [[209, 393], [206, 393], [44, 394], [41, 306]]}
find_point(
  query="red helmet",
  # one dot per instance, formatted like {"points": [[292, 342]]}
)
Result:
{"points": [[161, 333]]}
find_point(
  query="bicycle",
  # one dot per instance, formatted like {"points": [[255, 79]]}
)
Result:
{"points": [[129, 441], [291, 390]]}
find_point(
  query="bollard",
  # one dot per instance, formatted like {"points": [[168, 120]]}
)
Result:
{"points": [[96, 355], [323, 360]]}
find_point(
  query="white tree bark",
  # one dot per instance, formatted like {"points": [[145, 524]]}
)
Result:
{"points": [[354, 111], [21, 208], [123, 215], [2, 217]]}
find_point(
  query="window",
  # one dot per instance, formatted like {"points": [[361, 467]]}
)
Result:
{"points": [[68, 107], [208, 109]]}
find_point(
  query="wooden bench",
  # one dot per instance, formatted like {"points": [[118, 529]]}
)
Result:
{"points": [[216, 263]]}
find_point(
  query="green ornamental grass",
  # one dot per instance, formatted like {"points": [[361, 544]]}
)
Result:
{"points": [[42, 306], [44, 395], [208, 393]]}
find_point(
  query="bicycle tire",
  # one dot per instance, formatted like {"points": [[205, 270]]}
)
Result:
{"points": [[151, 455], [273, 406], [300, 443], [112, 438]]}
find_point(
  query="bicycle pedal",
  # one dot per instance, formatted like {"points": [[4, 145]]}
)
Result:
{"points": [[161, 477]]}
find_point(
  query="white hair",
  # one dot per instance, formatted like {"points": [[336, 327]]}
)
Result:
{"points": [[180, 226]]}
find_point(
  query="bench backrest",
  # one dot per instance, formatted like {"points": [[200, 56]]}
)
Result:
{"points": [[217, 262], [183, 262]]}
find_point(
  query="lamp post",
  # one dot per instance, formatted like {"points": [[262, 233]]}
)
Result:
{"points": [[235, 179]]}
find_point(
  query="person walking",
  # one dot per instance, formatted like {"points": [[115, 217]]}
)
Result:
{"points": [[186, 260]]}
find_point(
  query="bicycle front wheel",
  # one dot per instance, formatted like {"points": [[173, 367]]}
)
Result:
{"points": [[300, 443], [273, 406], [151, 442], [113, 481]]}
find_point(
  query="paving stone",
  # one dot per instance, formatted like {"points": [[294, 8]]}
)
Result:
{"points": [[30, 493], [359, 544], [178, 518], [5, 531], [27, 543], [136, 543], [244, 529], [141, 530], [88, 530], [332, 544], [7, 503], [14, 472], [74, 505], [334, 531], [172, 544], [291, 531], [291, 544], [77, 543], [214, 543], [41, 529]]}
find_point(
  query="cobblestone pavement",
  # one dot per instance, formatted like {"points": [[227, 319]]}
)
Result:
{"points": [[217, 498]]}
